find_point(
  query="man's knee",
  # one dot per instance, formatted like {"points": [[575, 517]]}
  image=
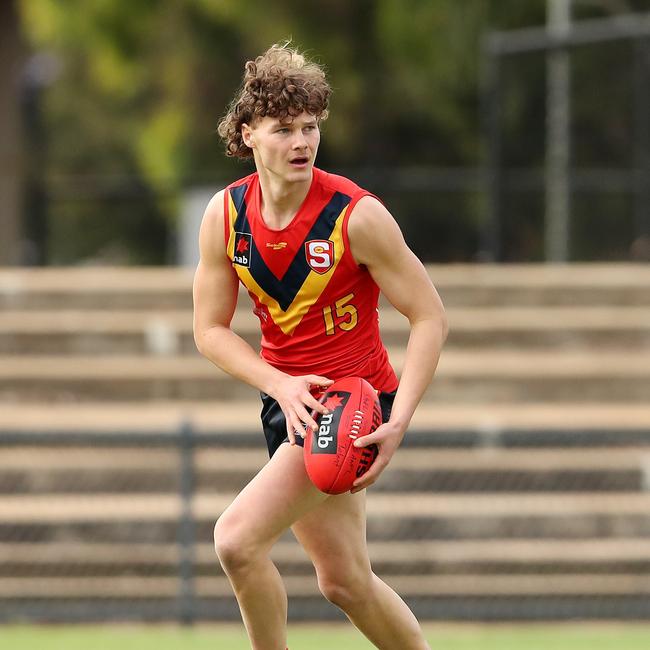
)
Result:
{"points": [[345, 591], [233, 548]]}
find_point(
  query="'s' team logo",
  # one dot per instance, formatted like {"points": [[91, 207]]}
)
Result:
{"points": [[325, 439], [320, 255], [242, 253]]}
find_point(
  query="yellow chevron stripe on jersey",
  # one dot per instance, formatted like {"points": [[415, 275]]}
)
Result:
{"points": [[310, 290], [232, 217]]}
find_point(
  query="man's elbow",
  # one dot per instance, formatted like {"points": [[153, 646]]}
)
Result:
{"points": [[444, 325], [199, 341], [208, 338], [434, 319]]}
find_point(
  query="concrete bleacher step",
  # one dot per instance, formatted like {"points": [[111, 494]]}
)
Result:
{"points": [[519, 526], [72, 460], [485, 376], [164, 506], [524, 477], [96, 288], [165, 332], [459, 285], [443, 481], [140, 587], [237, 424], [75, 470], [506, 556]]}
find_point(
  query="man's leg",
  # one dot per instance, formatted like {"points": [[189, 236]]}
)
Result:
{"points": [[278, 495], [334, 536]]}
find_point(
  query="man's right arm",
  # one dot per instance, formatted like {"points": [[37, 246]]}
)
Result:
{"points": [[215, 299]]}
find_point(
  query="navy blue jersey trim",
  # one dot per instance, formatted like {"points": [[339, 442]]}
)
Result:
{"points": [[238, 193], [284, 290]]}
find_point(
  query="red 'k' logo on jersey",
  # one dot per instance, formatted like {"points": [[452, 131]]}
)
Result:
{"points": [[320, 255]]}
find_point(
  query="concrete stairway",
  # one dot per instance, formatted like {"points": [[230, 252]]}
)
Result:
{"points": [[519, 492]]}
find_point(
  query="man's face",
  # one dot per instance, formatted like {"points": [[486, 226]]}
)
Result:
{"points": [[285, 148]]}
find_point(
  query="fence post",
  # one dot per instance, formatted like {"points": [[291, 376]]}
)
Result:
{"points": [[186, 532], [642, 146]]}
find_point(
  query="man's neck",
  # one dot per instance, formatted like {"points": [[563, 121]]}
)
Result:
{"points": [[280, 200]]}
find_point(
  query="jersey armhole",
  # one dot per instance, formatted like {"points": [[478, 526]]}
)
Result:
{"points": [[226, 216], [355, 199]]}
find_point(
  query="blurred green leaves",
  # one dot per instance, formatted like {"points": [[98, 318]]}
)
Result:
{"points": [[144, 83]]}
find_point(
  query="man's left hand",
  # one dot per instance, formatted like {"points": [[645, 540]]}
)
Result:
{"points": [[387, 437]]}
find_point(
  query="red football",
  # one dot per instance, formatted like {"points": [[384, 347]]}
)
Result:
{"points": [[332, 461]]}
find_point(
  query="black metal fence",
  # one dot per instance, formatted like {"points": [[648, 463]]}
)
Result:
{"points": [[467, 525]]}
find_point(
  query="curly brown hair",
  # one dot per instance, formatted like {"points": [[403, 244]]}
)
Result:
{"points": [[279, 83]]}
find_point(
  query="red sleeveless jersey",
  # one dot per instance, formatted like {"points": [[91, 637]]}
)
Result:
{"points": [[317, 307]]}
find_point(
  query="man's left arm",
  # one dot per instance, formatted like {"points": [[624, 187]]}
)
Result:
{"points": [[377, 242]]}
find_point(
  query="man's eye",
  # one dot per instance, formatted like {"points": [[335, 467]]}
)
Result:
{"points": [[283, 131]]}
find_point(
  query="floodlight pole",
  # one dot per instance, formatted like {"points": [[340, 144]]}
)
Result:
{"points": [[558, 145]]}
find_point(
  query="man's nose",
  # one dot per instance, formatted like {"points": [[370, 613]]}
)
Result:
{"points": [[299, 141]]}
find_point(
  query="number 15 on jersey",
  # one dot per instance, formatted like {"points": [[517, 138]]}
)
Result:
{"points": [[344, 312]]}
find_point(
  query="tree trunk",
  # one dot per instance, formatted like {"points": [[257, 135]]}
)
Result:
{"points": [[11, 161]]}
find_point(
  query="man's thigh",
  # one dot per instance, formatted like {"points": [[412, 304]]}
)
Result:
{"points": [[333, 534], [274, 499]]}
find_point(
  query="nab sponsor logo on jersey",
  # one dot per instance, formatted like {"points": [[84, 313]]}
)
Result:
{"points": [[242, 253], [325, 440], [320, 255]]}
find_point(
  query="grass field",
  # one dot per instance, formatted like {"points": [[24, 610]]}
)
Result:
{"points": [[328, 637]]}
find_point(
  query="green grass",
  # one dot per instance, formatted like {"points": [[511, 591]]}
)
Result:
{"points": [[328, 637]]}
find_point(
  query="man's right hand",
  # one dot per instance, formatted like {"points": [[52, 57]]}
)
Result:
{"points": [[297, 402]]}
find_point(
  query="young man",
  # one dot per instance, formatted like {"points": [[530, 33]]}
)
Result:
{"points": [[313, 250]]}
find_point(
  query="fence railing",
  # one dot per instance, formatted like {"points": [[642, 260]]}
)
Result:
{"points": [[489, 523]]}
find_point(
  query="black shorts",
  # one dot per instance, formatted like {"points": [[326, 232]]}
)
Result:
{"points": [[275, 426]]}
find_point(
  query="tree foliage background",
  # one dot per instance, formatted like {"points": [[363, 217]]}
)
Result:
{"points": [[129, 119]]}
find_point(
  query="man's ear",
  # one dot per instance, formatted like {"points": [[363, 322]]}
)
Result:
{"points": [[247, 135]]}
